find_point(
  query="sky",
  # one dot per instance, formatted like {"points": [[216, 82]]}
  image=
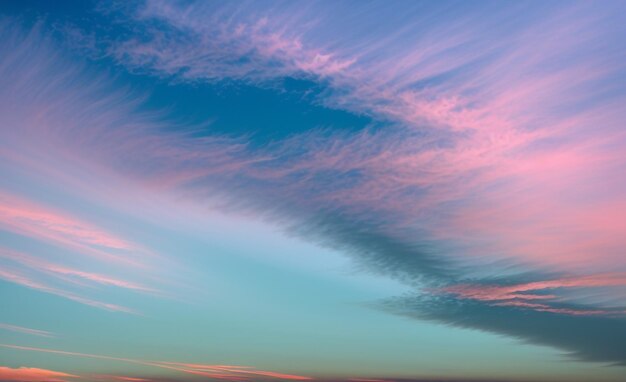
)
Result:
{"points": [[355, 191]]}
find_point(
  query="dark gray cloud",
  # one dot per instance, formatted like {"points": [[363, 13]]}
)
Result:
{"points": [[584, 337]]}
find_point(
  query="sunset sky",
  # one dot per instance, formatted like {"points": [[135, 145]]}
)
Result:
{"points": [[356, 191]]}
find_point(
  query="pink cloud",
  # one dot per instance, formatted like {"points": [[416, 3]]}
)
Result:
{"points": [[110, 377], [47, 267], [516, 295], [227, 372], [17, 212], [27, 218], [489, 293], [18, 278], [31, 374]]}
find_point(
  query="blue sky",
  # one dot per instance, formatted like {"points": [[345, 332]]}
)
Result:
{"points": [[356, 191]]}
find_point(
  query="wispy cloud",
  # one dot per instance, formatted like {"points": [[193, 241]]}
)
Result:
{"points": [[508, 292], [518, 295], [43, 266], [227, 372], [21, 329], [109, 377], [32, 374], [27, 218], [17, 277], [232, 372]]}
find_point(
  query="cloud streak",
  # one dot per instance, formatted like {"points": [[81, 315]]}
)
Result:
{"points": [[227, 372], [32, 374], [25, 218], [63, 272], [518, 294], [16, 277], [30, 331]]}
